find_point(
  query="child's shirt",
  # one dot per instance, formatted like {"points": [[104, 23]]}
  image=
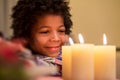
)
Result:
{"points": [[54, 64]]}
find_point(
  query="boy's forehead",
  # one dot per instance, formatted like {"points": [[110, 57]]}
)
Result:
{"points": [[49, 20], [48, 16]]}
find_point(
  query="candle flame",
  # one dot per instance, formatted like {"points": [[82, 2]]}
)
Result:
{"points": [[104, 39], [81, 40], [71, 41]]}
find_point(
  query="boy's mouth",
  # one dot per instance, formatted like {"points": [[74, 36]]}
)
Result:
{"points": [[53, 48]]}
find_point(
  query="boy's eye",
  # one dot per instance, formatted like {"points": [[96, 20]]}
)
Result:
{"points": [[44, 32], [61, 31]]}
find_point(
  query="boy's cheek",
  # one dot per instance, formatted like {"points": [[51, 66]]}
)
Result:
{"points": [[65, 38]]}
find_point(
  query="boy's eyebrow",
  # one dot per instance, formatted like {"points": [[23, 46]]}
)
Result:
{"points": [[62, 25], [49, 26], [43, 27]]}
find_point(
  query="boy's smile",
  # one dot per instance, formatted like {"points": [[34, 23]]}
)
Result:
{"points": [[53, 48]]}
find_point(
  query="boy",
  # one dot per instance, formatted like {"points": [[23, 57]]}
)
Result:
{"points": [[45, 26]]}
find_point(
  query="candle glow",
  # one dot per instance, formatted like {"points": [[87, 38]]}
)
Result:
{"points": [[71, 41], [81, 38], [104, 39]]}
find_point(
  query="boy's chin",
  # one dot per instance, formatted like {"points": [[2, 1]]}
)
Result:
{"points": [[53, 54]]}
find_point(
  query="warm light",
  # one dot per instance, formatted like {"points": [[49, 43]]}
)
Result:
{"points": [[104, 39], [81, 38], [71, 41]]}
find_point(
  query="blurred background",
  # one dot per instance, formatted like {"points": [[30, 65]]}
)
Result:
{"points": [[91, 18]]}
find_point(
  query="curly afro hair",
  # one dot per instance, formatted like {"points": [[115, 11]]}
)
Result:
{"points": [[25, 14]]}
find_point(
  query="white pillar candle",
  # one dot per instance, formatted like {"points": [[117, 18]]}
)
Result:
{"points": [[105, 62], [82, 61]]}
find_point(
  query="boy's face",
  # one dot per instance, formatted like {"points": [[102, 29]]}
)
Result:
{"points": [[48, 35]]}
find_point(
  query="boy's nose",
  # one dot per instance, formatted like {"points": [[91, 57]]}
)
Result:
{"points": [[55, 37]]}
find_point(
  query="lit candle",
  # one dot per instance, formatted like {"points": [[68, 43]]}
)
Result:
{"points": [[105, 61], [66, 61], [82, 61]]}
